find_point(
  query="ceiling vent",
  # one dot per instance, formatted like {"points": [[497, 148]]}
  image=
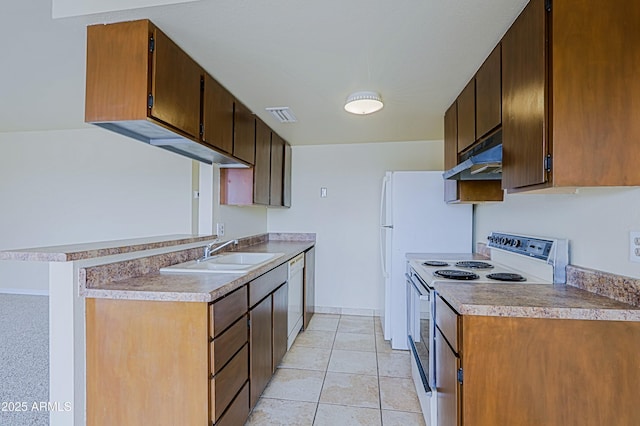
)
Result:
{"points": [[282, 114]]}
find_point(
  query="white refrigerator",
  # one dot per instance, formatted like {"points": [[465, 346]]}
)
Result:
{"points": [[415, 219]]}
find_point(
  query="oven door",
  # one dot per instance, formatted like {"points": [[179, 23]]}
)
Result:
{"points": [[419, 323]]}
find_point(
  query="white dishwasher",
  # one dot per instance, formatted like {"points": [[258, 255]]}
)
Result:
{"points": [[294, 314]]}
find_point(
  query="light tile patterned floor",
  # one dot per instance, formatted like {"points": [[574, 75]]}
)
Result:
{"points": [[340, 371]]}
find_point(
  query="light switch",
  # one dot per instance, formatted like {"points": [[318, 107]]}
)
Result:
{"points": [[323, 192]]}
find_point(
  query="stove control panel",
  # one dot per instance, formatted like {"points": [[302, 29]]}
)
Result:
{"points": [[527, 246]]}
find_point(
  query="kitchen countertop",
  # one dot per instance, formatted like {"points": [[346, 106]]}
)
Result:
{"points": [[186, 287], [533, 301], [71, 252], [524, 300]]}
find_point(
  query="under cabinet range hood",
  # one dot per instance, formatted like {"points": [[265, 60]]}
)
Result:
{"points": [[482, 162], [156, 135]]}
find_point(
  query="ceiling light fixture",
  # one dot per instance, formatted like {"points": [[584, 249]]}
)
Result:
{"points": [[363, 103]]}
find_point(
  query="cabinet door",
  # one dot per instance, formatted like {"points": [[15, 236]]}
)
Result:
{"points": [[286, 184], [217, 116], [467, 116], [260, 358], [309, 286], [280, 308], [451, 150], [262, 168], [277, 167], [524, 65], [489, 94], [244, 134], [175, 86], [448, 395]]}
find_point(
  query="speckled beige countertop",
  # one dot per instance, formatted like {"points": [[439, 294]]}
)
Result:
{"points": [[71, 252], [533, 301], [195, 287], [524, 300]]}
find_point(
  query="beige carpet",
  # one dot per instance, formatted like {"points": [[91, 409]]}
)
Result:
{"points": [[24, 359]]}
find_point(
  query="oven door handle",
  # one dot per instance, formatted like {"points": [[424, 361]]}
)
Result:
{"points": [[416, 287]]}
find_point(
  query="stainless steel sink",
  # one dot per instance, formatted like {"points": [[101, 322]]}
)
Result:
{"points": [[225, 263]]}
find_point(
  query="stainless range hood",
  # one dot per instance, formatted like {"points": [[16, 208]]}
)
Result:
{"points": [[156, 135], [483, 162]]}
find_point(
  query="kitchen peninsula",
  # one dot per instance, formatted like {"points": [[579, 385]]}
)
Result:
{"points": [[194, 322]]}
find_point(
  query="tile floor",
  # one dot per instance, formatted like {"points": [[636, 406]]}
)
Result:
{"points": [[340, 371]]}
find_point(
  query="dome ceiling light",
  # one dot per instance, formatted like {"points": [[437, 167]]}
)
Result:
{"points": [[363, 103]]}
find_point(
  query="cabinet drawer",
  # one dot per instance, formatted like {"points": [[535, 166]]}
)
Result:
{"points": [[267, 283], [238, 410], [227, 310], [447, 322], [225, 345], [227, 382]]}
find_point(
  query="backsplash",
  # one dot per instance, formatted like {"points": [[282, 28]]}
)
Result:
{"points": [[618, 287]]}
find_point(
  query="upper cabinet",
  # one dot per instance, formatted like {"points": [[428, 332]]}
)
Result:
{"points": [[262, 169], [286, 179], [217, 115], [141, 84], [467, 116], [570, 113], [489, 94], [467, 191], [268, 182], [244, 133], [175, 86], [277, 171]]}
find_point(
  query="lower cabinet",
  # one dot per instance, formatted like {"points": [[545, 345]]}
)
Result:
{"points": [[268, 327], [280, 329], [260, 362], [309, 298], [167, 363], [494, 370], [185, 363]]}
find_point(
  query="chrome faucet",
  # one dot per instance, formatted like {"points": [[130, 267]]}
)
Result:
{"points": [[209, 250]]}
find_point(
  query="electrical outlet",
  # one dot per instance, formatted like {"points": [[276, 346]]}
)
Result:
{"points": [[634, 246], [220, 229]]}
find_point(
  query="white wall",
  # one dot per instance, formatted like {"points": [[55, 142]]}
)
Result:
{"points": [[596, 221], [76, 186], [346, 221]]}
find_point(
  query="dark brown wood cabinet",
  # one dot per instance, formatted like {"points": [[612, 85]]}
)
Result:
{"points": [[244, 133], [141, 84], [277, 171], [495, 370], [175, 86], [524, 65], [569, 107], [279, 318], [448, 395], [286, 179], [262, 168], [489, 94], [217, 115], [267, 314], [469, 191], [467, 116], [135, 72], [186, 363], [260, 364], [269, 181], [309, 287]]}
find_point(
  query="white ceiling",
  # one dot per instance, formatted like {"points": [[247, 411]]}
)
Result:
{"points": [[308, 55]]}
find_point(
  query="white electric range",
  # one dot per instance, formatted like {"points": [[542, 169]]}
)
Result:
{"points": [[515, 259]]}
